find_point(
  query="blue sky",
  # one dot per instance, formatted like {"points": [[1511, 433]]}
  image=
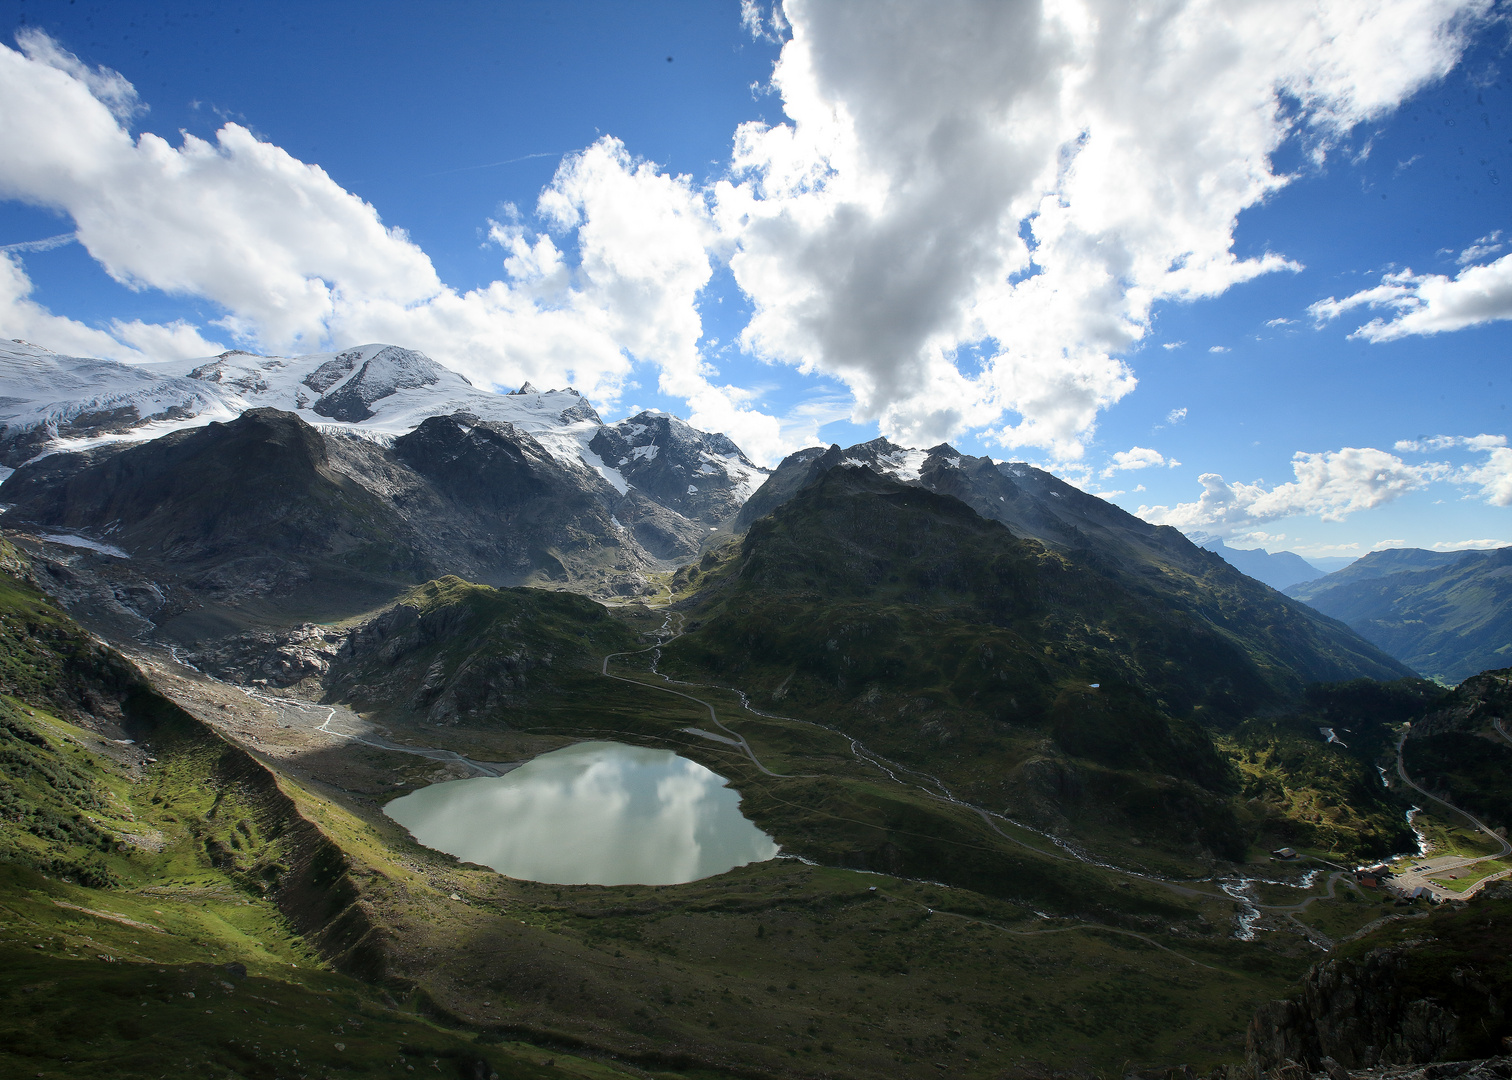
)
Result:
{"points": [[1102, 238]]}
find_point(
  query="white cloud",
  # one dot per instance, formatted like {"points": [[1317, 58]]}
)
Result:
{"points": [[1256, 538], [1028, 180], [1446, 442], [299, 263], [109, 88], [1280, 322], [1176, 416], [177, 340], [1136, 457], [1330, 485], [1482, 248], [49, 243], [1217, 348], [1169, 345], [1431, 303], [1493, 477], [1470, 545], [1033, 180], [22, 317], [759, 25]]}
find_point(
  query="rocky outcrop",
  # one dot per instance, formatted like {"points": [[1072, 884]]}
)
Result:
{"points": [[1471, 707], [453, 652], [277, 659], [1417, 990], [1356, 1012]]}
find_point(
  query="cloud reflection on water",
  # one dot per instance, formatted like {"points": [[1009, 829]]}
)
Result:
{"points": [[598, 813]]}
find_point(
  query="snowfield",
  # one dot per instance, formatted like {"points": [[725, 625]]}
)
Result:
{"points": [[51, 403]]}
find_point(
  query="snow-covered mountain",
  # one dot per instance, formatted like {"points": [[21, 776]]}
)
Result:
{"points": [[51, 403]]}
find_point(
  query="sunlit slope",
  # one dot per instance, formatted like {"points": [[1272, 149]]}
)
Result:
{"points": [[165, 903]]}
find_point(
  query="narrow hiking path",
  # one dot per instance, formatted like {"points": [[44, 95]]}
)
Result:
{"points": [[939, 791], [734, 738]]}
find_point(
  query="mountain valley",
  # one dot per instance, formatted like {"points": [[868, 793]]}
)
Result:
{"points": [[1444, 613], [1027, 757]]}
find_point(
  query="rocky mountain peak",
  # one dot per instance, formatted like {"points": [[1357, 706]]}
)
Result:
{"points": [[701, 475]]}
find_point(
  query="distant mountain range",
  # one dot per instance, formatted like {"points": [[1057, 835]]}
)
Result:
{"points": [[1278, 569], [334, 480], [1448, 615], [52, 404]]}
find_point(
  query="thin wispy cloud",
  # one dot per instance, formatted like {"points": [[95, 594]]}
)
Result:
{"points": [[46, 244]]}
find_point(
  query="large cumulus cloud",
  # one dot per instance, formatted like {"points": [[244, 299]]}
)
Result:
{"points": [[967, 216], [974, 207]]}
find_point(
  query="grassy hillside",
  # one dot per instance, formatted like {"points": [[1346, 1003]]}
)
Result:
{"points": [[165, 904], [919, 936], [1448, 616], [201, 873]]}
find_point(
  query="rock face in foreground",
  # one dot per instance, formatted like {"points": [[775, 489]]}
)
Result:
{"points": [[1421, 989], [1499, 1068], [1355, 1012]]}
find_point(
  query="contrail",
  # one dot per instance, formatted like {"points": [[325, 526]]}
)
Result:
{"points": [[490, 165], [41, 245]]}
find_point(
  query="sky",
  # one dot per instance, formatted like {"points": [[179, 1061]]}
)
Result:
{"points": [[1241, 268]]}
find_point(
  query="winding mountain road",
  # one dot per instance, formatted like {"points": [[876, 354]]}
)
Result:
{"points": [[1424, 869]]}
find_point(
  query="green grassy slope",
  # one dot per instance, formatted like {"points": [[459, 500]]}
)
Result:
{"points": [[1447, 621], [174, 910]]}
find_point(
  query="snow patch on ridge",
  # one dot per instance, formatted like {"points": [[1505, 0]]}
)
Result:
{"points": [[903, 464], [72, 540]]}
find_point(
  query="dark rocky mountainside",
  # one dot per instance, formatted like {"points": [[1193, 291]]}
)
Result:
{"points": [[1461, 749], [1035, 678], [1285, 639], [1376, 564], [266, 521], [451, 651], [682, 483], [1446, 614]]}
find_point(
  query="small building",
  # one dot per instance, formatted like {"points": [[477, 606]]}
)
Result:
{"points": [[1284, 853], [1370, 881]]}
